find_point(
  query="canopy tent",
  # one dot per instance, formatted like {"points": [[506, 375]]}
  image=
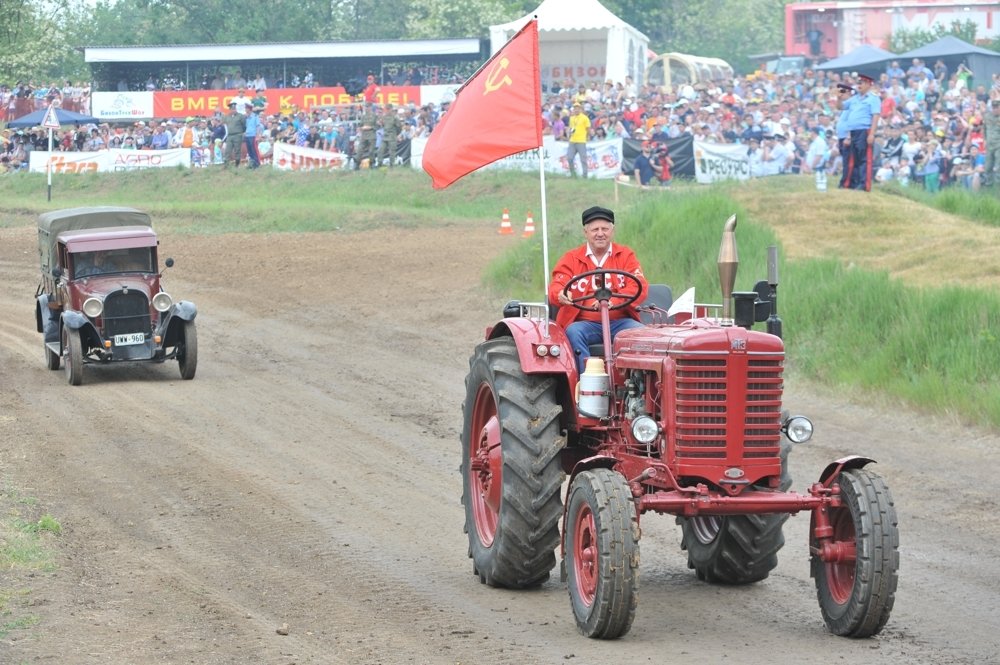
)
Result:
{"points": [[865, 59], [582, 41], [35, 118], [953, 52]]}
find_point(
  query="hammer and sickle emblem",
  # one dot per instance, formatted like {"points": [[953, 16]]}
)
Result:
{"points": [[497, 78]]}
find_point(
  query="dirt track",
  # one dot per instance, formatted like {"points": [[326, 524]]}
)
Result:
{"points": [[307, 477]]}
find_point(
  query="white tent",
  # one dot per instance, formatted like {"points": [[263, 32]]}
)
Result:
{"points": [[582, 41]]}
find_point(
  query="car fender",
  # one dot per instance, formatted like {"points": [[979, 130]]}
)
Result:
{"points": [[833, 469], [46, 319], [184, 309], [528, 335], [75, 320]]}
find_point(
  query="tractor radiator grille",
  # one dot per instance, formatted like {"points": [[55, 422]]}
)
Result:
{"points": [[732, 398], [126, 312]]}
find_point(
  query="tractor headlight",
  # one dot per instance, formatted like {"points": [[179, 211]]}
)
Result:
{"points": [[93, 307], [798, 429], [162, 301], [645, 429]]}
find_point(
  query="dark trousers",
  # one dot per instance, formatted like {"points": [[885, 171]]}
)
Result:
{"points": [[861, 174], [846, 164]]}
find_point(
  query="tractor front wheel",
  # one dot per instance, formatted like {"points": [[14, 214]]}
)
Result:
{"points": [[511, 470], [602, 548], [856, 592]]}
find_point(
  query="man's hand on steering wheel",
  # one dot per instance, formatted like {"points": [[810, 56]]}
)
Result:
{"points": [[603, 293]]}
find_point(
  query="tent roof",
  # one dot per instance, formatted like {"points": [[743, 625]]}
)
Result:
{"points": [[35, 118], [862, 56], [948, 45], [566, 15]]}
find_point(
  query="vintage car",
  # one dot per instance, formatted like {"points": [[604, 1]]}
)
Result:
{"points": [[100, 299]]}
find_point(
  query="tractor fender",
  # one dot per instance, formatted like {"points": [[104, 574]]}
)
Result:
{"points": [[528, 335], [833, 469], [593, 462]]}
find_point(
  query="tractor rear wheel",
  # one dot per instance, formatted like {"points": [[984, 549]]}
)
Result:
{"points": [[737, 549], [856, 594], [602, 552], [511, 470]]}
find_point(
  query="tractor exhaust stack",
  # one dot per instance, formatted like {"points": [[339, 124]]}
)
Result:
{"points": [[729, 262]]}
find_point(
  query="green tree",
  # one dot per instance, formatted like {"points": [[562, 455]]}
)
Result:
{"points": [[37, 41], [904, 40]]}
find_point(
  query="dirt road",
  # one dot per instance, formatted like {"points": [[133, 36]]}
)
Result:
{"points": [[307, 478]]}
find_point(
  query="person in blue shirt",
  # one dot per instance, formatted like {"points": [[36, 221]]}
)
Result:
{"points": [[254, 129], [862, 119], [844, 137]]}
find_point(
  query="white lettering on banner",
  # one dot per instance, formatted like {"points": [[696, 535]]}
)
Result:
{"points": [[289, 157], [720, 161]]}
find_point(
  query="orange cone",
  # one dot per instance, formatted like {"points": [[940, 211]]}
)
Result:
{"points": [[505, 227], [529, 226]]}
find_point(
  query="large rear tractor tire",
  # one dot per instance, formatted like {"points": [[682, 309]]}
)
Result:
{"points": [[856, 595], [511, 471], [602, 552], [738, 549], [72, 356], [187, 351]]}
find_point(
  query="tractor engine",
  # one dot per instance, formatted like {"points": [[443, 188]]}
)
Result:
{"points": [[715, 392]]}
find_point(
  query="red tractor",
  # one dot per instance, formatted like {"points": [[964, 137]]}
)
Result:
{"points": [[681, 417]]}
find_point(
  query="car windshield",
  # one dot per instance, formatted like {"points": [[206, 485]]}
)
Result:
{"points": [[103, 262]]}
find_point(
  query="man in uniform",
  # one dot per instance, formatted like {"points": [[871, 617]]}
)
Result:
{"points": [[863, 111], [391, 127], [236, 127], [366, 146]]}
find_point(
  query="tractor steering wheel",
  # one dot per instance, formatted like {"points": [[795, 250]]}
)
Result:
{"points": [[604, 293]]}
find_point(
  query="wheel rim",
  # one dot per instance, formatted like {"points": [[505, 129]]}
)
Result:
{"points": [[840, 574], [706, 528], [585, 555], [485, 466]]}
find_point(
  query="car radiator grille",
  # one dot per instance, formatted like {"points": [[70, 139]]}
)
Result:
{"points": [[126, 312], [735, 398]]}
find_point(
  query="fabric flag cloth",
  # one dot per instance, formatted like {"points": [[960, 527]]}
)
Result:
{"points": [[496, 113]]}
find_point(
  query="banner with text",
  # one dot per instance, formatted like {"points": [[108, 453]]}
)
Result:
{"points": [[289, 157], [107, 160], [720, 161], [603, 158]]}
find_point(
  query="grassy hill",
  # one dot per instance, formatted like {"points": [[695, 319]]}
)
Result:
{"points": [[889, 295]]}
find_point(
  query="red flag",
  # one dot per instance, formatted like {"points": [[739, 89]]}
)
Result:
{"points": [[495, 114]]}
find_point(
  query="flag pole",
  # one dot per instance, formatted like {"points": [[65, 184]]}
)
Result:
{"points": [[545, 237]]}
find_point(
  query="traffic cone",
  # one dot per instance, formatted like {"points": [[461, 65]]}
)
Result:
{"points": [[529, 226], [505, 227]]}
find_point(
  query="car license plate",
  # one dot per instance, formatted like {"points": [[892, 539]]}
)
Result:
{"points": [[131, 338]]}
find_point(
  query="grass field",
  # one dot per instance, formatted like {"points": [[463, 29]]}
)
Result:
{"points": [[890, 295]]}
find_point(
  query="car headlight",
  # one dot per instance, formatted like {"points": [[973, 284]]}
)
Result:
{"points": [[798, 429], [162, 301], [645, 429], [93, 307]]}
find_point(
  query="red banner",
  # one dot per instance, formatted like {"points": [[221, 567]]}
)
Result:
{"points": [[279, 100], [497, 113]]}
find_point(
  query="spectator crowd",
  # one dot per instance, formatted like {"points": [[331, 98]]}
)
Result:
{"points": [[937, 128]]}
